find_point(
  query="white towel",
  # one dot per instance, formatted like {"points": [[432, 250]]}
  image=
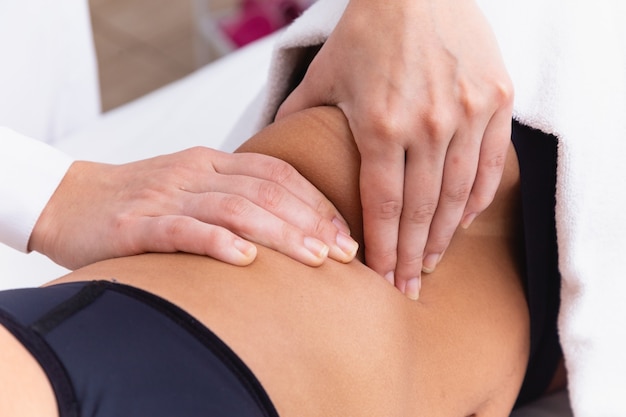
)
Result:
{"points": [[567, 60]]}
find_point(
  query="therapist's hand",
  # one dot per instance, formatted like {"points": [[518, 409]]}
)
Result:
{"points": [[429, 101], [199, 201]]}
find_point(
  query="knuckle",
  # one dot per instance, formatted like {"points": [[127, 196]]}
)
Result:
{"points": [[458, 193], [475, 99], [174, 227], [409, 259], [386, 210], [408, 269], [270, 195], [504, 92], [235, 206], [381, 261], [473, 104], [202, 152], [279, 171], [319, 226], [285, 234], [471, 100], [324, 208], [439, 123], [198, 159], [384, 124], [191, 156], [196, 151], [422, 214], [215, 237], [494, 162]]}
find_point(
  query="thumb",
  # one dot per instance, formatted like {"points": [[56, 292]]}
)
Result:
{"points": [[308, 94]]}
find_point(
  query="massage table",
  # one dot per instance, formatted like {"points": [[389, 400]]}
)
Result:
{"points": [[200, 109]]}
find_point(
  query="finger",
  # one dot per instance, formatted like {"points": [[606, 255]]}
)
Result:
{"points": [[250, 221], [175, 233], [381, 186], [279, 172], [306, 95], [459, 173], [274, 199], [187, 234], [423, 178], [494, 148]]}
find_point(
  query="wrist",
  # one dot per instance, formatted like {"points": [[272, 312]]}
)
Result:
{"points": [[63, 204]]}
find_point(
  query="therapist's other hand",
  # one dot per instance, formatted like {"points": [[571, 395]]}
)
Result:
{"points": [[199, 201], [429, 101]]}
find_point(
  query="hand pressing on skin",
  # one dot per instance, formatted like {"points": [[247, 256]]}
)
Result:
{"points": [[429, 102], [199, 201]]}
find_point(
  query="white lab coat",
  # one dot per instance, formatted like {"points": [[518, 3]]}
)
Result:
{"points": [[48, 88]]}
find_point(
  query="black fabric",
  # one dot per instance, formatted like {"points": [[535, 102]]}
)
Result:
{"points": [[73, 305], [126, 352], [537, 155]]}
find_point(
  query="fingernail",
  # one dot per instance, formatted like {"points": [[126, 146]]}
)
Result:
{"points": [[412, 289], [247, 249], [318, 248], [468, 220], [430, 263], [389, 276], [347, 244], [341, 225]]}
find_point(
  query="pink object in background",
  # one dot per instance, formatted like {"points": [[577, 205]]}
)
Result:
{"points": [[258, 18]]}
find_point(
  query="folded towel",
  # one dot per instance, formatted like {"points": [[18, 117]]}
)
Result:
{"points": [[568, 65]]}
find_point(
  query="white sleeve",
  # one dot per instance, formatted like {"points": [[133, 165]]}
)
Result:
{"points": [[30, 172]]}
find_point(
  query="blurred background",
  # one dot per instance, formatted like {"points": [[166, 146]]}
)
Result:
{"points": [[144, 44]]}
